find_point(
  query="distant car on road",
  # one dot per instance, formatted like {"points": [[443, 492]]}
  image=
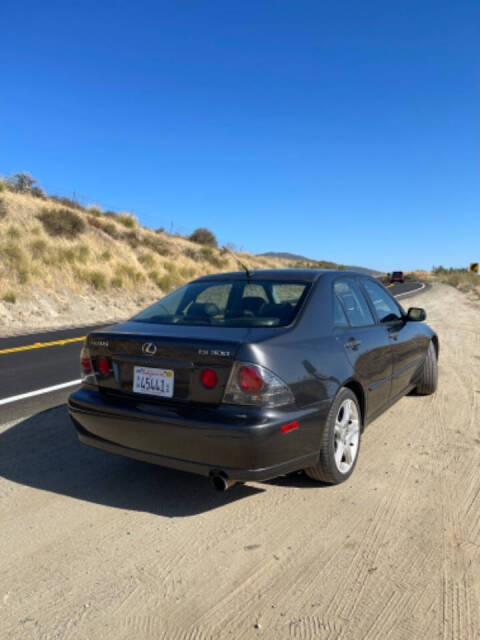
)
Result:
{"points": [[248, 376], [397, 276]]}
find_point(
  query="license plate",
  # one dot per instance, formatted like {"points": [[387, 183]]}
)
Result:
{"points": [[153, 382]]}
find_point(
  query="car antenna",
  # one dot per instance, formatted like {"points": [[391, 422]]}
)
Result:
{"points": [[237, 259]]}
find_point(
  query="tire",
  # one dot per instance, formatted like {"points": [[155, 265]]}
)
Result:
{"points": [[341, 430], [429, 373]]}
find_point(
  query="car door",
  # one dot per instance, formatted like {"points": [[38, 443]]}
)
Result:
{"points": [[406, 338], [366, 343]]}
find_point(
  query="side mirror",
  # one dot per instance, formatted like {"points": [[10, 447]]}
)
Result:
{"points": [[415, 314]]}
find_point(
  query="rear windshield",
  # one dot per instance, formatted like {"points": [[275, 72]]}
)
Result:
{"points": [[229, 303]]}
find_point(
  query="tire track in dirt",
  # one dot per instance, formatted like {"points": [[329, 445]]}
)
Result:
{"points": [[96, 547]]}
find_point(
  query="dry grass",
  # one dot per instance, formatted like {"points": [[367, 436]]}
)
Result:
{"points": [[78, 250], [461, 279]]}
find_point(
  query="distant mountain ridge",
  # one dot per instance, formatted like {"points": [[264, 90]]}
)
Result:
{"points": [[285, 255]]}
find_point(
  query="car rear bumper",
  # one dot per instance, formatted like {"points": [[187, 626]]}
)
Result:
{"points": [[245, 444]]}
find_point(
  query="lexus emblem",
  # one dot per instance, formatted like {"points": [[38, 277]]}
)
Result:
{"points": [[149, 349]]}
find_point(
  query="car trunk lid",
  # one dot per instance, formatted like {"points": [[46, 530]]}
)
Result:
{"points": [[181, 352]]}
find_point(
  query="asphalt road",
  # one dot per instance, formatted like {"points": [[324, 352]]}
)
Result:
{"points": [[37, 362]]}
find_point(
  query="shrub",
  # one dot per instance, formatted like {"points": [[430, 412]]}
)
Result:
{"points": [[13, 233], [165, 282], [156, 244], [186, 273], [95, 211], [133, 238], [116, 282], [2, 186], [18, 261], [204, 236], [21, 182], [94, 222], [110, 214], [106, 255], [127, 271], [3, 209], [23, 274], [111, 230], [193, 254], [62, 255], [159, 230], [210, 256], [38, 192], [38, 248], [67, 202], [12, 253], [127, 220], [155, 276], [62, 222], [147, 260], [10, 296], [96, 279], [81, 252]]}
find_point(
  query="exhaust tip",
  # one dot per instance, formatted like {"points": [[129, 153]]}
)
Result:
{"points": [[220, 481]]}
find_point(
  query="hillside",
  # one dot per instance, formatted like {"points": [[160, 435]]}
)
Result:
{"points": [[321, 264], [62, 264]]}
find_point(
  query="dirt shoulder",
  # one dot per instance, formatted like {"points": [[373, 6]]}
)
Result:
{"points": [[42, 311], [95, 546]]}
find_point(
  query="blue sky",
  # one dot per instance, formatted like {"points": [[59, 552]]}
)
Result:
{"points": [[346, 131]]}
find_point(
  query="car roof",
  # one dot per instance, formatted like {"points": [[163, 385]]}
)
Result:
{"points": [[302, 275]]}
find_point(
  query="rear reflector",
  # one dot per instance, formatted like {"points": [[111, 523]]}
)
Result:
{"points": [[289, 427], [209, 378], [104, 366]]}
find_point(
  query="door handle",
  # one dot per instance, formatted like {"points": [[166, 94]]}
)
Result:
{"points": [[353, 344]]}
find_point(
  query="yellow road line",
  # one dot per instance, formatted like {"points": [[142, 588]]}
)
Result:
{"points": [[391, 284], [42, 345]]}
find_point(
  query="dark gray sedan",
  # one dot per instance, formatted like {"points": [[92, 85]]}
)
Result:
{"points": [[247, 376]]}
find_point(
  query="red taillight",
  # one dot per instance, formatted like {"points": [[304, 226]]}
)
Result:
{"points": [[250, 379], [104, 366], [85, 361], [209, 378]]}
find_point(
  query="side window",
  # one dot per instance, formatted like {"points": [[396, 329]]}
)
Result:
{"points": [[339, 317], [355, 305], [385, 308]]}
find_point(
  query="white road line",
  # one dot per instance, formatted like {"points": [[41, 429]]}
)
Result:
{"points": [[39, 392], [422, 286]]}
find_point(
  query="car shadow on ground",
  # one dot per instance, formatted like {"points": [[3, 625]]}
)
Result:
{"points": [[43, 452]]}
